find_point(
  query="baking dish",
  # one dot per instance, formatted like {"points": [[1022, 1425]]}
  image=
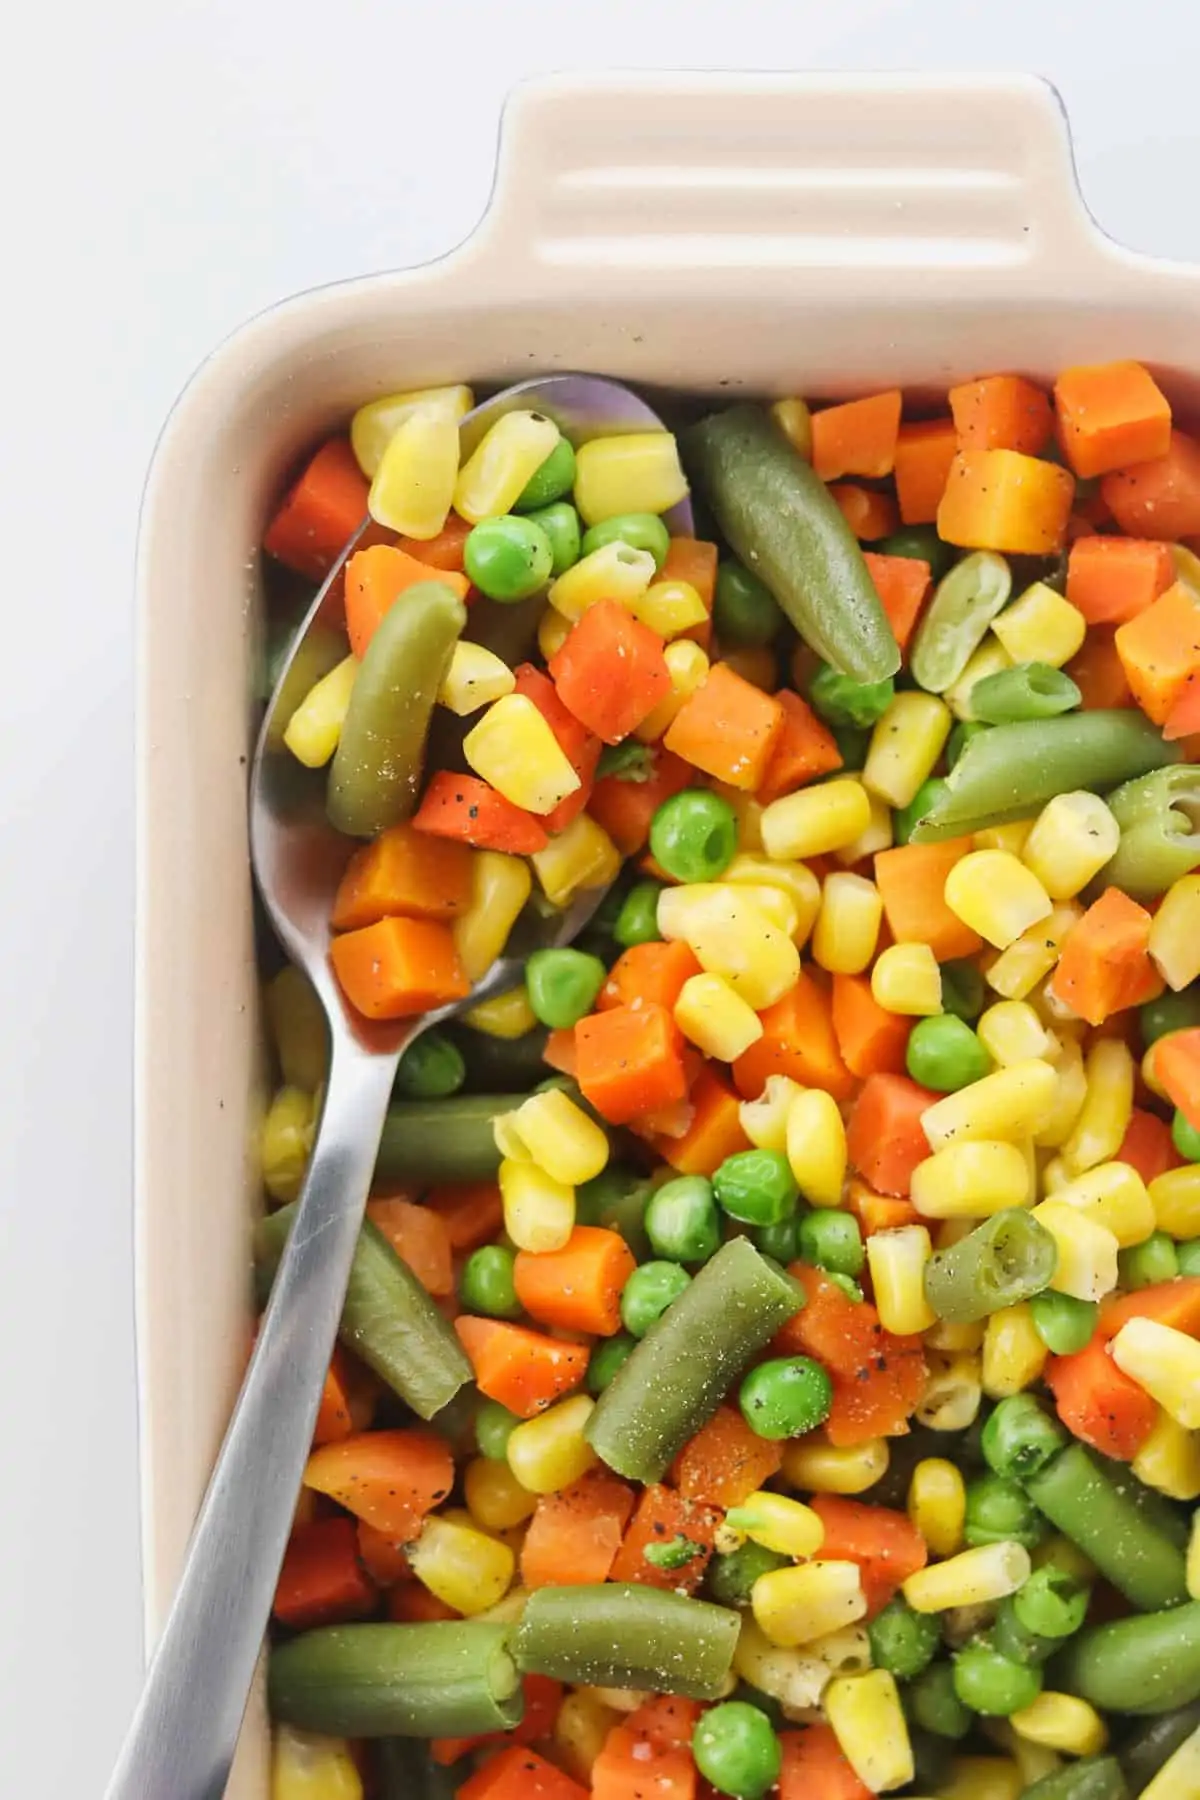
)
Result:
{"points": [[770, 233]]}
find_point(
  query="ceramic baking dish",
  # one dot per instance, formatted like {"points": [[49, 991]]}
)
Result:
{"points": [[773, 233]]}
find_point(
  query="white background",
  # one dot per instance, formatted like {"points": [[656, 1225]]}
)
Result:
{"points": [[169, 167]]}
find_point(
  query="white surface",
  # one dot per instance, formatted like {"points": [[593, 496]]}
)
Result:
{"points": [[172, 168]]}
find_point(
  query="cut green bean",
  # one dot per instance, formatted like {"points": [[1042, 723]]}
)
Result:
{"points": [[1159, 816], [1091, 1778], [450, 1679], [1108, 1517], [1146, 1664], [441, 1140], [615, 1635], [1006, 1259], [1149, 1746], [956, 620], [1031, 690]]}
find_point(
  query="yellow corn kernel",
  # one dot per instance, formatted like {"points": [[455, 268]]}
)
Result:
{"points": [[1009, 1104], [990, 658], [1060, 1119], [795, 879], [1175, 933], [1017, 970], [1087, 1251], [868, 1722], [983, 1778], [581, 1726], [944, 1335], [971, 1180], [1179, 1777], [1013, 1353], [1033, 1760], [582, 856], [778, 1523], [906, 979], [613, 572], [820, 1468], [414, 485], [1193, 1557], [972, 1578], [795, 421], [553, 632], [847, 927], [816, 1147], [470, 1570], [953, 1392], [495, 1498], [794, 1606], [669, 607], [748, 812], [691, 907], [815, 820], [877, 836], [373, 426], [687, 665], [621, 1700], [475, 677], [1169, 1459], [639, 472], [299, 1028], [508, 1015], [1073, 837], [500, 886], [307, 1767], [514, 748], [1010, 1031], [1041, 627], [755, 663], [285, 1141], [1053, 1177], [948, 1233], [905, 746], [539, 1212], [1104, 1116], [548, 1453], [1010, 837], [764, 1120], [314, 728], [492, 477], [897, 1262], [996, 895], [1175, 1198], [715, 1019], [797, 1678], [731, 933], [1165, 1363], [1115, 1195], [937, 1504], [560, 1137]]}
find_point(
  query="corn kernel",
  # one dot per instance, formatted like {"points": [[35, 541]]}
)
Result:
{"points": [[638, 472], [847, 928], [997, 896], [1115, 1195], [500, 886], [1009, 1104], [990, 658], [553, 632], [879, 835], [948, 1233], [1062, 1722], [689, 908], [414, 485], [1107, 1108], [1087, 1251], [731, 933], [476, 676], [468, 1569], [613, 572], [1013, 1352], [971, 1180], [582, 856], [937, 1504], [512, 450], [548, 1453], [983, 1778], [944, 1334], [795, 879], [1010, 1031], [1017, 970], [764, 1120], [539, 1212], [868, 1722], [514, 749], [748, 812], [906, 979], [1165, 1363], [1060, 1118], [669, 607], [621, 1700], [905, 746], [1175, 933], [374, 425], [1169, 1459], [1175, 1197], [314, 728], [299, 1028], [581, 1726], [508, 1015], [798, 1677], [953, 1392], [285, 1142], [815, 820], [972, 1578], [818, 1467], [687, 665], [1179, 1777], [816, 1147], [495, 1498], [715, 1019], [1041, 627], [795, 421], [307, 1767], [897, 1262], [1193, 1557], [560, 1137], [755, 663], [1010, 837], [794, 1606], [778, 1523], [1073, 837]]}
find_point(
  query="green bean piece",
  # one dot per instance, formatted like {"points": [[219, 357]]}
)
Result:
{"points": [[1030, 690], [1007, 1635], [619, 1635], [1170, 1012], [960, 736], [1091, 1778], [906, 817], [1149, 1746], [844, 703], [956, 620], [441, 1140], [903, 1641], [1020, 1438], [1011, 771], [432, 1068], [675, 1379], [732, 1576], [1146, 1664], [923, 544], [499, 1065], [1106, 1515], [736, 1750], [1006, 1259], [853, 745], [388, 1319], [375, 776], [992, 1685], [641, 531], [406, 1771], [617, 1198], [963, 990], [1159, 816], [450, 1679], [935, 1706]]}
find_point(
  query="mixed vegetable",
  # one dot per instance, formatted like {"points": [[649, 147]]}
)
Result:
{"points": [[772, 1354]]}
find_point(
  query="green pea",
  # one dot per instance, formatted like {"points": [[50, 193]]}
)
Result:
{"points": [[731, 1577], [903, 1641], [431, 1068], [1063, 1323], [831, 1239], [923, 543], [737, 1750], [494, 1425], [934, 1703], [1019, 1438], [1185, 1137], [1144, 1264], [745, 611], [682, 1220], [993, 1685], [999, 1511], [641, 531], [907, 818], [637, 921], [549, 481], [847, 1283], [486, 1283], [960, 736], [756, 1187], [785, 1397], [944, 1054], [560, 522], [1188, 1256], [963, 990], [648, 1293], [853, 745], [1051, 1603], [693, 835], [563, 985], [1170, 1012], [508, 558], [606, 1359], [780, 1241], [842, 701]]}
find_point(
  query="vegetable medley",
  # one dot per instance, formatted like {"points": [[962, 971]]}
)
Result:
{"points": [[772, 1355]]}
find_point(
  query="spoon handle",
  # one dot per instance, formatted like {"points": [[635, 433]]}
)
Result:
{"points": [[183, 1736]]}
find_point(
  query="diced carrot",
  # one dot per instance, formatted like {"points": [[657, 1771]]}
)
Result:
{"points": [[878, 1404], [842, 1333], [574, 1535], [1111, 579], [322, 1581], [625, 807], [662, 1515], [877, 1377], [384, 1558], [630, 1061], [542, 1696], [419, 1237], [714, 1130], [1104, 957], [667, 1721], [815, 1767], [471, 1211], [1183, 720], [725, 1461], [878, 1212], [445, 551], [870, 514], [611, 671], [375, 580], [1158, 499], [1099, 673], [467, 809], [912, 884], [519, 1773], [1001, 500], [1160, 650], [406, 872], [857, 438], [1175, 1303], [924, 454], [1001, 412], [1110, 414], [728, 728], [633, 1766], [798, 1040], [398, 968], [902, 583], [408, 1603], [804, 749], [1147, 1146], [872, 1040], [320, 512], [884, 1138], [652, 973], [334, 1417], [1177, 1066], [580, 746], [887, 1547], [1099, 1403], [389, 1478], [576, 1288], [522, 1369], [694, 561]]}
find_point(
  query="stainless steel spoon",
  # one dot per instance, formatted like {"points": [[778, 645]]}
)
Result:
{"points": [[183, 1736]]}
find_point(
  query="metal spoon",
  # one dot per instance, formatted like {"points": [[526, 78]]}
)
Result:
{"points": [[183, 1736]]}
